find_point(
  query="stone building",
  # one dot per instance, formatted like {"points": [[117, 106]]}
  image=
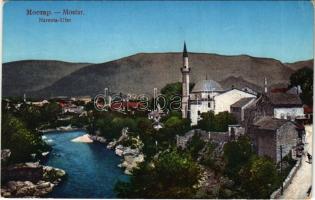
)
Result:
{"points": [[238, 108], [268, 134], [277, 105]]}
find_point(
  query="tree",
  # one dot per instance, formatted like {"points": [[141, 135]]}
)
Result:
{"points": [[236, 154], [171, 90], [111, 126], [50, 112], [21, 141], [207, 121], [304, 78], [174, 89], [177, 125], [195, 145], [172, 175], [219, 122], [31, 116], [259, 177], [222, 120]]}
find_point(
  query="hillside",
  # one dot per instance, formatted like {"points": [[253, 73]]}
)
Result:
{"points": [[239, 82], [30, 75], [300, 64], [142, 72]]}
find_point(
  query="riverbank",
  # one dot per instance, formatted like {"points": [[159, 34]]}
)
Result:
{"points": [[131, 154]]}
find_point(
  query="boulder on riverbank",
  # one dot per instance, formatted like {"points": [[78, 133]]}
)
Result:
{"points": [[5, 154], [129, 148], [26, 189], [99, 139], [29, 180], [111, 144], [131, 162]]}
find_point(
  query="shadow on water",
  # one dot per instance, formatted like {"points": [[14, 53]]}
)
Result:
{"points": [[91, 168]]}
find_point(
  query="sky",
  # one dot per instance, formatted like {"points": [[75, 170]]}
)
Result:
{"points": [[111, 30]]}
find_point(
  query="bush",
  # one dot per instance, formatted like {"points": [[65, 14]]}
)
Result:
{"points": [[21, 141], [172, 175], [219, 122]]}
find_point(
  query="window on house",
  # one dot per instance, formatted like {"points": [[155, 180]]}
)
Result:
{"points": [[198, 112], [209, 104]]}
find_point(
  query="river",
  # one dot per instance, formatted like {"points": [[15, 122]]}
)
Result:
{"points": [[91, 168]]}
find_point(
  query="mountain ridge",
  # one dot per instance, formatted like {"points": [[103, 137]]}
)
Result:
{"points": [[142, 72]]}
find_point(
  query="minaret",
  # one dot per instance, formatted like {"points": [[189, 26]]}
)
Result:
{"points": [[185, 83], [266, 86]]}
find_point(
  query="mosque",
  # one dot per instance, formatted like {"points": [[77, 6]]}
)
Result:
{"points": [[206, 95]]}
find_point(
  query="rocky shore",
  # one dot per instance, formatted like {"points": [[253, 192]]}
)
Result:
{"points": [[29, 180], [127, 147], [97, 139], [131, 155]]}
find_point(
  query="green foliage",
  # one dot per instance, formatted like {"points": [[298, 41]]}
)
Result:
{"points": [[50, 112], [195, 145], [34, 116], [287, 164], [211, 122], [177, 125], [254, 176], [31, 116], [304, 78], [144, 127], [173, 126], [208, 158], [170, 91], [21, 141], [79, 122], [236, 154], [207, 121], [172, 175], [259, 177]]}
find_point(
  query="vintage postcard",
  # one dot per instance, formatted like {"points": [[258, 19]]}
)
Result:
{"points": [[157, 99]]}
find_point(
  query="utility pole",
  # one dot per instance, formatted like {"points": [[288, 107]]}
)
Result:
{"points": [[281, 174]]}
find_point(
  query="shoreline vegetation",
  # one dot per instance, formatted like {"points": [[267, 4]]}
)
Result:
{"points": [[157, 165]]}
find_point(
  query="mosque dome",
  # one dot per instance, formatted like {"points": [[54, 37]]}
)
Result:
{"points": [[207, 86]]}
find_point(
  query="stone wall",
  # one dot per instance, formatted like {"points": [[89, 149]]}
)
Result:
{"points": [[277, 193]]}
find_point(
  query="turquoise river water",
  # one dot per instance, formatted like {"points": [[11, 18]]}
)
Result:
{"points": [[91, 168]]}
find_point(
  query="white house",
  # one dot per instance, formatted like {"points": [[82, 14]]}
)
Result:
{"points": [[286, 105]]}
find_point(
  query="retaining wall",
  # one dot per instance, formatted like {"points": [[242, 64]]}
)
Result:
{"points": [[276, 194]]}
